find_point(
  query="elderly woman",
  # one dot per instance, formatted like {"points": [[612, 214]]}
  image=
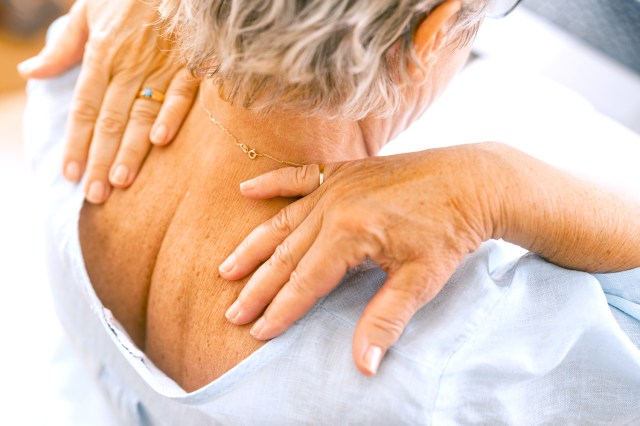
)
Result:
{"points": [[316, 85]]}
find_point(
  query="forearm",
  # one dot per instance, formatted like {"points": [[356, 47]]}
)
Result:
{"points": [[571, 222]]}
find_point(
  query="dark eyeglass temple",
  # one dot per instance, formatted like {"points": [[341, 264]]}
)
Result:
{"points": [[504, 13]]}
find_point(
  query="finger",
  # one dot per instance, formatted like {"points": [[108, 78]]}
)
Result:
{"points": [[286, 182], [63, 51], [388, 313], [135, 142], [319, 272], [179, 98], [87, 98], [261, 243], [106, 138], [265, 284]]}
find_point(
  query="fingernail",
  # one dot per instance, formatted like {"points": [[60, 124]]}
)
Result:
{"points": [[72, 171], [120, 175], [228, 264], [233, 311], [247, 185], [258, 327], [96, 192], [159, 134], [372, 359]]}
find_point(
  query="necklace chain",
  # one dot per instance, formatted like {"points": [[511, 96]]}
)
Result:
{"points": [[251, 152]]}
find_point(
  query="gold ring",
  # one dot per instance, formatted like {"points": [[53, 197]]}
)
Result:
{"points": [[151, 94], [321, 166]]}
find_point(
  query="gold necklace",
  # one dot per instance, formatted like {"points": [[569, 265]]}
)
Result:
{"points": [[251, 152]]}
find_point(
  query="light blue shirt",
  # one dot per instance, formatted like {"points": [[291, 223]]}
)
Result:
{"points": [[507, 341]]}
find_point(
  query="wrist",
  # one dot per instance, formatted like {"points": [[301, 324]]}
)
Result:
{"points": [[496, 184], [570, 222]]}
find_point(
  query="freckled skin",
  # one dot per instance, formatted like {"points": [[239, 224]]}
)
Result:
{"points": [[153, 251]]}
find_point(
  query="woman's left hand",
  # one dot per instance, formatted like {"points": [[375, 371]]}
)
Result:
{"points": [[417, 215]]}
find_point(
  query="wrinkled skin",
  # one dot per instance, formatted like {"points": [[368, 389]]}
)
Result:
{"points": [[417, 215], [416, 223], [110, 129]]}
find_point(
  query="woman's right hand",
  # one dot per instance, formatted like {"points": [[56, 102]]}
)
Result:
{"points": [[416, 215], [111, 127]]}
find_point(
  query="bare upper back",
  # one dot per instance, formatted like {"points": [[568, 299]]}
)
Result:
{"points": [[152, 253]]}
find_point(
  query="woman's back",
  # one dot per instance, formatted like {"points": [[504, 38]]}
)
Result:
{"points": [[153, 251]]}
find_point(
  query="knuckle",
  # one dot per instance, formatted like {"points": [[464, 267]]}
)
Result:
{"points": [[182, 93], [281, 224], [421, 295], [350, 227], [301, 175], [183, 83], [173, 110], [97, 52], [98, 169], [83, 110], [414, 294], [392, 326], [131, 152], [282, 258], [277, 318], [343, 221], [251, 298], [258, 294], [170, 107], [111, 123], [299, 287], [346, 228], [144, 112]]}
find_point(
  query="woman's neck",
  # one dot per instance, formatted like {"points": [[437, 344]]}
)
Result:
{"points": [[287, 136]]}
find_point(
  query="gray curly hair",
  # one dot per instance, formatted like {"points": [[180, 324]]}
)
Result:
{"points": [[315, 56]]}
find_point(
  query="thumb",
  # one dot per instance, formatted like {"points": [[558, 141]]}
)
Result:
{"points": [[388, 313], [63, 51], [287, 182]]}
